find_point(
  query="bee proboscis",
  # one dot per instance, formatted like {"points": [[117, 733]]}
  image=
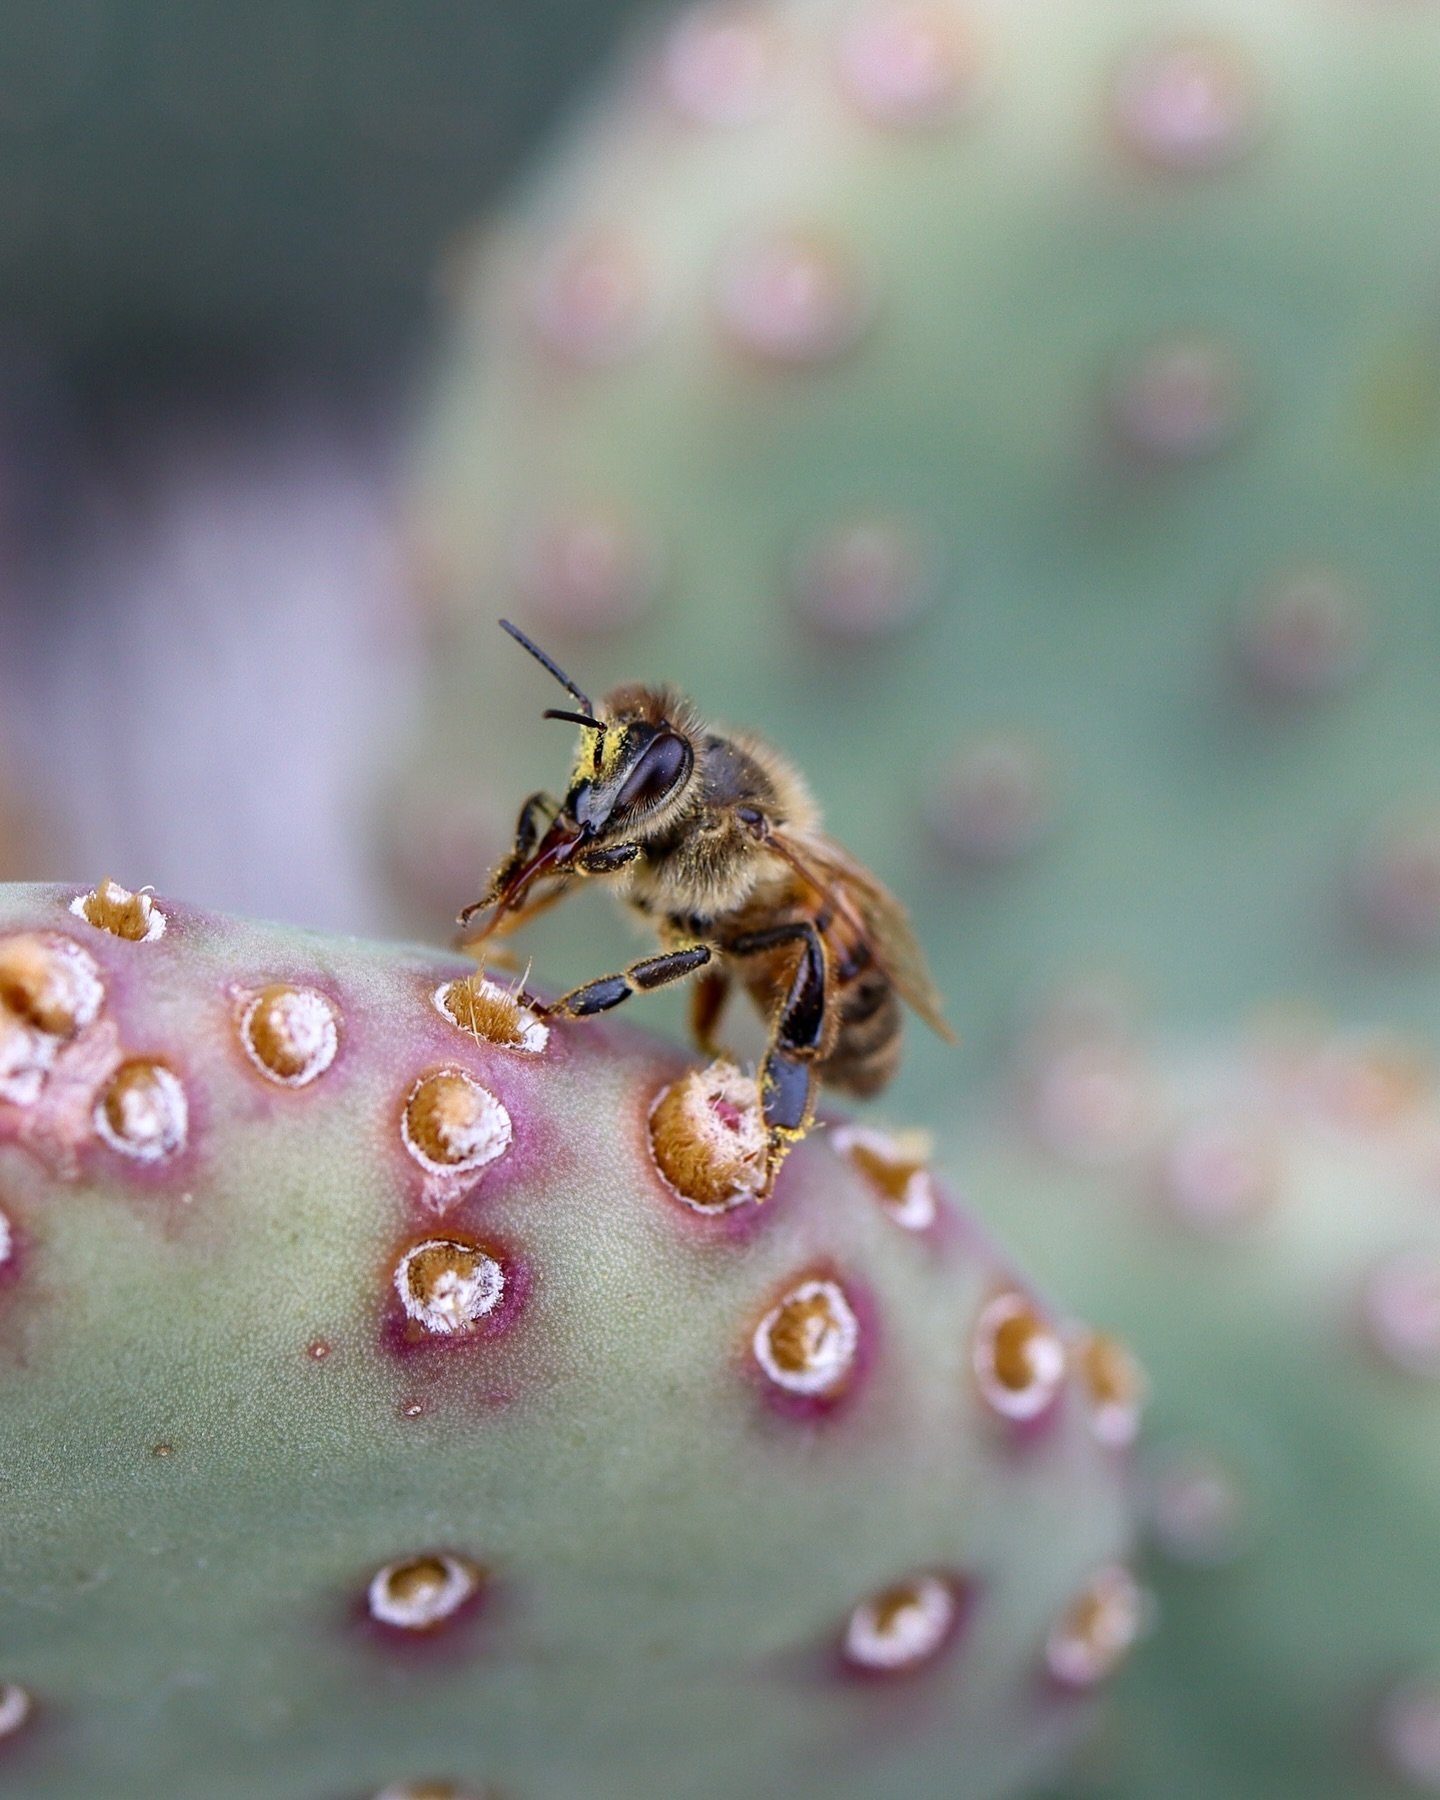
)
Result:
{"points": [[713, 839]]}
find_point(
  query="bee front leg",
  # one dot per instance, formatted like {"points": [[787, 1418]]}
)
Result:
{"points": [[527, 836], [605, 862], [610, 990]]}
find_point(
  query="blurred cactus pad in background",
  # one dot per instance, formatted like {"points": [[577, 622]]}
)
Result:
{"points": [[1029, 416]]}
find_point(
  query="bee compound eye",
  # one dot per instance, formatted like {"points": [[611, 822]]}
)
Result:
{"points": [[663, 764]]}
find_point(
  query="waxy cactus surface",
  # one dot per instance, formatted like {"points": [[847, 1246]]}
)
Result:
{"points": [[395, 1390]]}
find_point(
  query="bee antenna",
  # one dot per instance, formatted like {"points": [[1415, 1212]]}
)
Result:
{"points": [[558, 712], [554, 668]]}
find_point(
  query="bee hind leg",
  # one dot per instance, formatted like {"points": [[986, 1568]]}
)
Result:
{"points": [[787, 1104], [787, 1075], [707, 1003]]}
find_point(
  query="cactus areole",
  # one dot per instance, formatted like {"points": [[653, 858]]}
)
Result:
{"points": [[398, 1396]]}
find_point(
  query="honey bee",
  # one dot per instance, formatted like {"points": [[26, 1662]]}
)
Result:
{"points": [[713, 839]]}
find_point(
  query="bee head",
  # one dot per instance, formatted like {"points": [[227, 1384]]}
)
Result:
{"points": [[635, 763], [633, 768]]}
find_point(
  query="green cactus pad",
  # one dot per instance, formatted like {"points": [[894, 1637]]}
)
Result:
{"points": [[383, 1400]]}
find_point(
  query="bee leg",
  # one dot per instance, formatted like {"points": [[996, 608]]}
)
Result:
{"points": [[527, 826], [707, 1002], [527, 835], [787, 1075], [640, 977], [605, 862], [787, 1104]]}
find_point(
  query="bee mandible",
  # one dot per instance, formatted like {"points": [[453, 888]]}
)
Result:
{"points": [[713, 839]]}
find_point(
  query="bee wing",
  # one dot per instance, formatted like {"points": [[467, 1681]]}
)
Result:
{"points": [[883, 921]]}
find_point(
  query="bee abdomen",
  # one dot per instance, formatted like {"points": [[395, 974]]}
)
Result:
{"points": [[867, 1050]]}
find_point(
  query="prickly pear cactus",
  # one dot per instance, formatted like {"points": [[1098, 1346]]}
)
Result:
{"points": [[1029, 414], [1263, 1220], [396, 1390]]}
